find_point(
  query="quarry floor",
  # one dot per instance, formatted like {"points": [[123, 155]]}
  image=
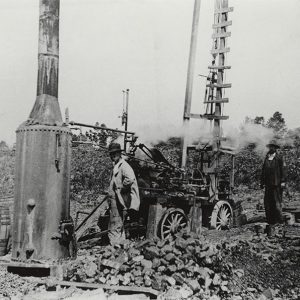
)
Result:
{"points": [[246, 263]]}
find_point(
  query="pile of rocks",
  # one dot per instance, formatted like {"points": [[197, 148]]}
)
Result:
{"points": [[13, 285], [185, 264]]}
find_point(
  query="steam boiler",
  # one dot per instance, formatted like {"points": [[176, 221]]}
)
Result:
{"points": [[42, 227]]}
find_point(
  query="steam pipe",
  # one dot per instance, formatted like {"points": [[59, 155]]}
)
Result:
{"points": [[100, 127]]}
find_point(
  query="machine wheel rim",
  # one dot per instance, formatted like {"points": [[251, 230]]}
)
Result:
{"points": [[222, 216], [172, 222]]}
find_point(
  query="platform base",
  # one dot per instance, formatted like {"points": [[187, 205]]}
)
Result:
{"points": [[36, 269]]}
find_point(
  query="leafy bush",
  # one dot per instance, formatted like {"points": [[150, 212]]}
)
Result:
{"points": [[171, 149], [90, 170], [91, 165], [7, 167], [248, 165]]}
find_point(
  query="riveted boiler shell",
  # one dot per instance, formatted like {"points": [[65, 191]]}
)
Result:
{"points": [[41, 191]]}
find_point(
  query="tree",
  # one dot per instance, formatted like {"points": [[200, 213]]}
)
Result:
{"points": [[259, 120], [7, 167], [171, 149], [248, 164], [3, 146], [277, 123], [256, 120], [90, 170], [248, 120], [96, 136]]}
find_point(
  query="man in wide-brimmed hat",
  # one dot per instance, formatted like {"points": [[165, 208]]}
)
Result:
{"points": [[124, 193], [273, 180]]}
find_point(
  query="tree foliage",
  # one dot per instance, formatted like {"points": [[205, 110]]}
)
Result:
{"points": [[259, 120], [7, 167], [171, 149], [248, 163], [277, 123], [90, 171], [91, 165]]}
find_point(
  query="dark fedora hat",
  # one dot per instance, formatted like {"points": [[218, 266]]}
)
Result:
{"points": [[114, 147], [273, 143]]}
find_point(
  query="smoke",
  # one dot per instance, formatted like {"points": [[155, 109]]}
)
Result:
{"points": [[248, 133], [152, 134], [200, 132]]}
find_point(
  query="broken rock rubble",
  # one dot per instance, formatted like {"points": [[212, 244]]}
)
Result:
{"points": [[185, 264], [188, 266]]}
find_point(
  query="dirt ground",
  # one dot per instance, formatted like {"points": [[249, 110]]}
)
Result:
{"points": [[260, 267], [267, 263]]}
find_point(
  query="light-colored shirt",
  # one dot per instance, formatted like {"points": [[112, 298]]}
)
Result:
{"points": [[271, 156]]}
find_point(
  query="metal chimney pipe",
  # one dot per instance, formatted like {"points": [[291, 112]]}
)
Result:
{"points": [[46, 109], [42, 227]]}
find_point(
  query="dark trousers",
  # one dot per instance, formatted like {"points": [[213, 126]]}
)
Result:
{"points": [[273, 204]]}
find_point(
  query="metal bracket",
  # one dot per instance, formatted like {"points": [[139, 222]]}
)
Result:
{"points": [[66, 235]]}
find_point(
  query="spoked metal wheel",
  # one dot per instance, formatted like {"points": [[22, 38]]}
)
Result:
{"points": [[222, 216], [172, 222]]}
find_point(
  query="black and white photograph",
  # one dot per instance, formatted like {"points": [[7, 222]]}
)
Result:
{"points": [[149, 149]]}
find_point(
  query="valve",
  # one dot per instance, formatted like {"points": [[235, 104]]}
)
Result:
{"points": [[66, 235], [65, 231]]}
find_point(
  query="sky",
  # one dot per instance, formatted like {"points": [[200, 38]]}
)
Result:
{"points": [[110, 45]]}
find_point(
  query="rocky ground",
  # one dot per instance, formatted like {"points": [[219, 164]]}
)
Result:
{"points": [[239, 264], [242, 263]]}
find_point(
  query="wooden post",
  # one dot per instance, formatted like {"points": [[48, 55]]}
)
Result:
{"points": [[155, 214], [196, 217], [190, 80]]}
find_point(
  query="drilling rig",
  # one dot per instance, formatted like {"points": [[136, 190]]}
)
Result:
{"points": [[173, 198], [211, 152]]}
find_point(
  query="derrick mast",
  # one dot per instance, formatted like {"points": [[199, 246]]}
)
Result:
{"points": [[214, 95]]}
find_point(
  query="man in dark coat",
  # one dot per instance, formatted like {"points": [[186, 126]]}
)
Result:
{"points": [[273, 180]]}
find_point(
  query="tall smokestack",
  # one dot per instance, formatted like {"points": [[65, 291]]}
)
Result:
{"points": [[46, 108], [42, 228]]}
